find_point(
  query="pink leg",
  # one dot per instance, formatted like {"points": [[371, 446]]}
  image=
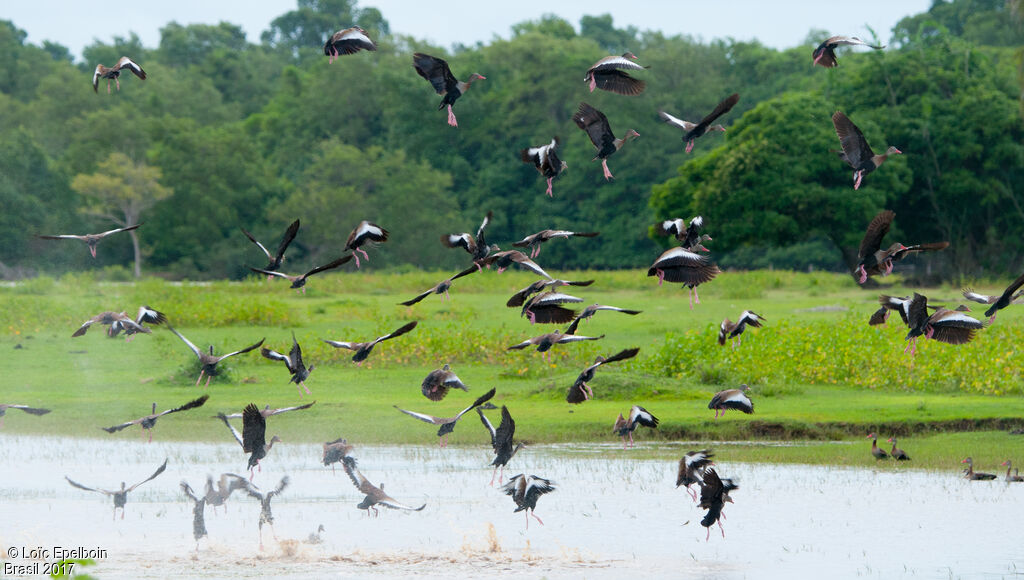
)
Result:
{"points": [[451, 117], [696, 295], [692, 493], [108, 87], [885, 317], [550, 194], [493, 475], [929, 332], [631, 443], [356, 256], [365, 255], [118, 81], [501, 475], [856, 179], [298, 389], [992, 319], [817, 58], [303, 383], [690, 294], [863, 274], [661, 276], [607, 172], [150, 435], [531, 316], [536, 518], [527, 514], [623, 442], [446, 296], [593, 83], [92, 250], [207, 385], [720, 527], [689, 145], [201, 373], [708, 535], [500, 269]]}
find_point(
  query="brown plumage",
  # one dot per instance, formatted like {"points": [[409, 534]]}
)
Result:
{"points": [[114, 72], [591, 310], [732, 399], [729, 329], [580, 391], [209, 361], [691, 469], [544, 342], [374, 495], [624, 427], [525, 490], [299, 282], [364, 233], [347, 41], [944, 325], [546, 308], [1015, 478], [599, 130], [546, 160], [447, 424], [1004, 300], [533, 241], [441, 287], [520, 297], [686, 267], [274, 261], [475, 245], [89, 239], [856, 151], [149, 421], [436, 71], [111, 318], [503, 260], [897, 453], [335, 451], [437, 383], [975, 475], [686, 233], [695, 130], [501, 441], [363, 349], [30, 410], [877, 451], [609, 74], [824, 55], [120, 496]]}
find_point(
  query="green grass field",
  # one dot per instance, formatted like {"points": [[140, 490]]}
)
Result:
{"points": [[820, 375]]}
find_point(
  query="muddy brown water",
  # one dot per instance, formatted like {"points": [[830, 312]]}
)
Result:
{"points": [[612, 515]]}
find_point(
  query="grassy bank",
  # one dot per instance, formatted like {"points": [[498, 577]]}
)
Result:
{"points": [[819, 372]]}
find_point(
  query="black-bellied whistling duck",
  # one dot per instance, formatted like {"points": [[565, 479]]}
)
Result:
{"points": [[1005, 299], [363, 349], [732, 399], [900, 304], [589, 311], [637, 416], [501, 441], [364, 233], [274, 261], [546, 160], [90, 239], [684, 266], [695, 130], [525, 490], [533, 241], [856, 151], [299, 282], [114, 72], [145, 316], [253, 438], [335, 451], [347, 41], [111, 318], [441, 287], [438, 382], [436, 71], [544, 342], [607, 74], [876, 451], [227, 484], [30, 410], [687, 234], [600, 132], [120, 496], [897, 453], [209, 361], [266, 516], [825, 54], [975, 475], [730, 329], [546, 308], [1012, 478], [506, 258], [198, 512], [374, 495], [580, 391], [520, 297], [691, 469], [149, 421], [447, 424], [714, 492], [475, 245], [973, 296], [293, 361], [876, 261], [315, 537], [944, 325]]}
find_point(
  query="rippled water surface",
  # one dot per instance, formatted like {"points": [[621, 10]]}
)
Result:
{"points": [[613, 515]]}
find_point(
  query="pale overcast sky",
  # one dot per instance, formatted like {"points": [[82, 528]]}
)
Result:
{"points": [[776, 23]]}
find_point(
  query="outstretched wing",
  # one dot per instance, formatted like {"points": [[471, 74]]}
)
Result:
{"points": [[259, 245], [187, 342], [234, 432], [244, 350], [189, 405], [404, 329], [330, 266], [274, 355], [80, 486], [854, 145], [421, 416], [286, 409], [724, 107], [487, 424], [876, 231], [289, 235], [480, 401], [158, 471]]}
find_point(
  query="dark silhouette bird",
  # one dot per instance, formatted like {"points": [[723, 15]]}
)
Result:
{"points": [[825, 54], [294, 362], [691, 469], [364, 233], [546, 160], [363, 349], [546, 308], [120, 496], [520, 297], [686, 233], [714, 492], [25, 408], [600, 132], [209, 361], [299, 282], [198, 512], [593, 309], [110, 318], [347, 41], [447, 424], [856, 151], [441, 287], [1015, 478], [90, 239], [732, 399], [609, 74], [544, 342], [897, 453], [274, 261], [501, 441], [114, 72], [944, 325], [475, 245], [266, 412], [533, 241], [145, 316], [1017, 298], [734, 330], [436, 71], [374, 495], [335, 451], [695, 130], [253, 438], [580, 391], [686, 267], [975, 475], [525, 491], [149, 421], [438, 382], [624, 427], [1005, 299], [503, 260], [877, 451], [266, 516], [227, 484]]}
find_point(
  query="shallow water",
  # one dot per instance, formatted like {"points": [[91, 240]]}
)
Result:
{"points": [[612, 514]]}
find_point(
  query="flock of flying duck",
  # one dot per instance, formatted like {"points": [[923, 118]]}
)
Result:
{"points": [[540, 302]]}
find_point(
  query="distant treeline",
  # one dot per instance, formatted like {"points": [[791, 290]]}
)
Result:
{"points": [[256, 135]]}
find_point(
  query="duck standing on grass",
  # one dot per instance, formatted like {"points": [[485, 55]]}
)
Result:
{"points": [[876, 451]]}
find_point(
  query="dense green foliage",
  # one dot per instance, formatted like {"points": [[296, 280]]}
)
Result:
{"points": [[255, 135]]}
